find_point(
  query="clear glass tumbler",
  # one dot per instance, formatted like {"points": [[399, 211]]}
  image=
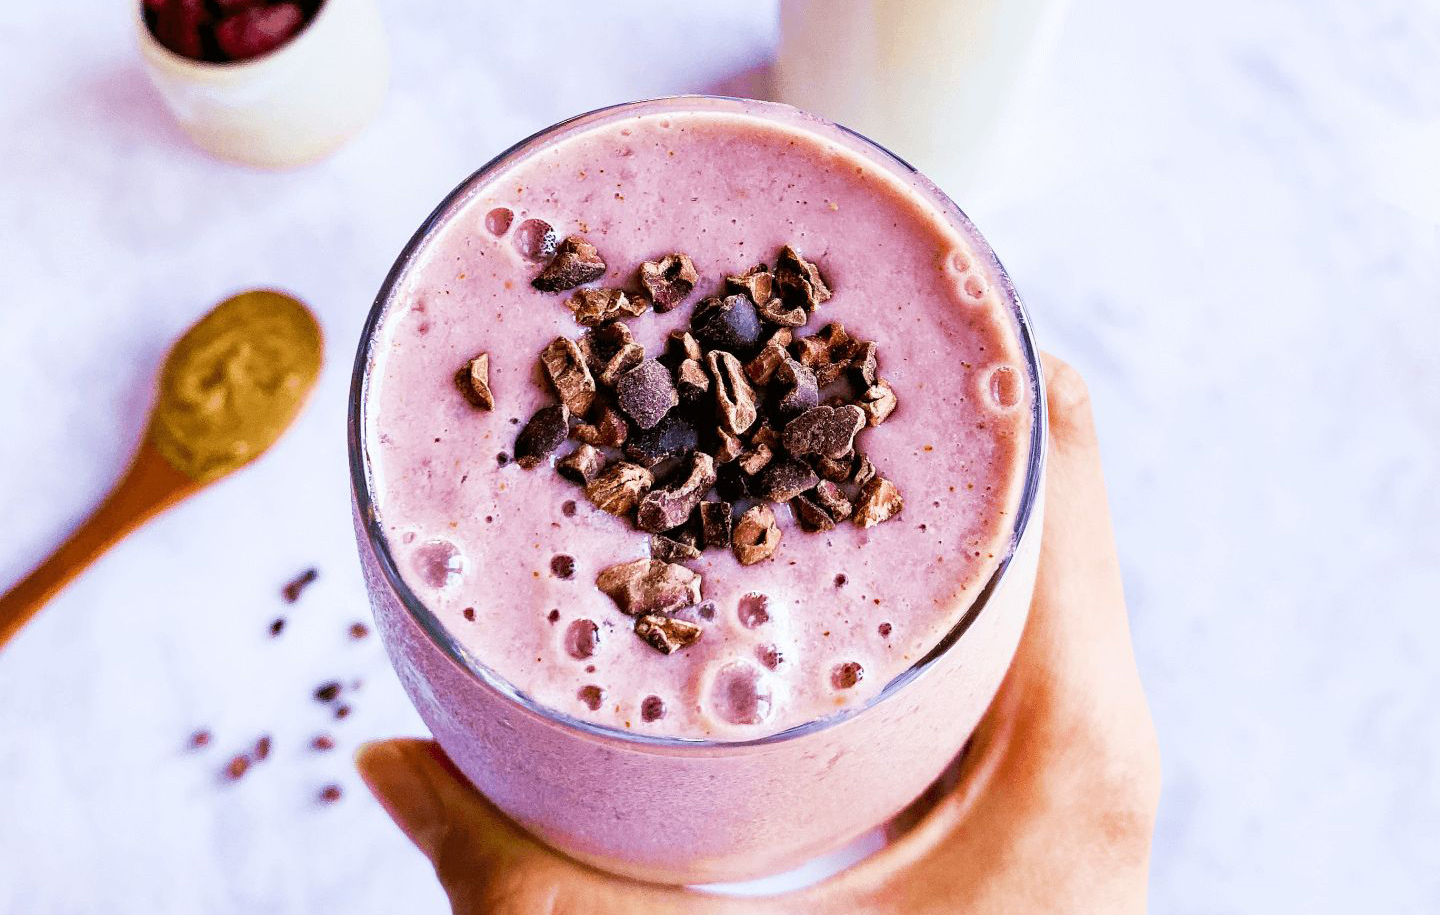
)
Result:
{"points": [[699, 811]]}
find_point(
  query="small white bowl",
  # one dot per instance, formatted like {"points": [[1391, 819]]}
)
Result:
{"points": [[292, 106]]}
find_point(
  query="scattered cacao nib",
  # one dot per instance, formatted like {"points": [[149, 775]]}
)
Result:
{"points": [[663, 509], [729, 448], [608, 431], [667, 549], [236, 768], [822, 508], [800, 389], [682, 345], [199, 739], [756, 535], [593, 307], [785, 478], [618, 489], [358, 631], [765, 434], [600, 344], [277, 626], [755, 458], [776, 312], [864, 470], [732, 483], [715, 524], [669, 280], [835, 469], [878, 402], [565, 366], [342, 711], [646, 393], [473, 380], [323, 743], [650, 586], [581, 465], [576, 262], [327, 692], [262, 747], [757, 282], [666, 634], [761, 368], [291, 591], [865, 364], [800, 280], [729, 324], [810, 352], [542, 435], [562, 566], [825, 431], [734, 398], [879, 501], [330, 794], [672, 437], [692, 382]]}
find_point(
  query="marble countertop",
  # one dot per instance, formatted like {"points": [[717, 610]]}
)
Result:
{"points": [[1226, 214]]}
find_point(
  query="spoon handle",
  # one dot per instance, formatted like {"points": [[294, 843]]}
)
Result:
{"points": [[148, 487]]}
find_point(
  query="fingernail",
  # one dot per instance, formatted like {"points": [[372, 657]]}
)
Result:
{"points": [[395, 773]]}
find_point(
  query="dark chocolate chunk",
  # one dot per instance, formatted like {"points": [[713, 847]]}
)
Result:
{"points": [[650, 586], [879, 501], [564, 365], [576, 261], [625, 358], [692, 382], [734, 398], [666, 634], [593, 307], [542, 435], [800, 280], [672, 437], [647, 393], [473, 380], [785, 478], [715, 524], [663, 509], [619, 487], [608, 431], [669, 280], [668, 549], [756, 535], [825, 431], [581, 465], [729, 324], [797, 387], [878, 402]]}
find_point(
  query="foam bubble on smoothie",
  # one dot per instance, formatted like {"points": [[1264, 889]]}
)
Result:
{"points": [[740, 693], [1006, 388], [497, 221], [960, 261], [975, 288], [582, 637], [536, 240], [439, 563], [753, 610]]}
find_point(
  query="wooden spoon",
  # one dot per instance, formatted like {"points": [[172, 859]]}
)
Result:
{"points": [[230, 386]]}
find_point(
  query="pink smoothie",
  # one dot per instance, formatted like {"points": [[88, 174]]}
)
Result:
{"points": [[474, 535]]}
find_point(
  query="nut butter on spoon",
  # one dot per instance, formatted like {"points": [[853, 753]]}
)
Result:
{"points": [[230, 386]]}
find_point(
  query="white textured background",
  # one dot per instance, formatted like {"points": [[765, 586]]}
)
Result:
{"points": [[1224, 213]]}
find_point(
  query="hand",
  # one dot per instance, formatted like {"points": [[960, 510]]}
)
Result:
{"points": [[1054, 804]]}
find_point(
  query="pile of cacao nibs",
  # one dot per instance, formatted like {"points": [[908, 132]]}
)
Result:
{"points": [[696, 444]]}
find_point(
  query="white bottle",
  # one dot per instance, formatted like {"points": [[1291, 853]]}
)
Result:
{"points": [[931, 80]]}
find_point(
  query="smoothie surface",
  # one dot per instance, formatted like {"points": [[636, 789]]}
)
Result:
{"points": [[840, 613]]}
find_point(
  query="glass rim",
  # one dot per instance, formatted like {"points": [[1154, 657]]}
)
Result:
{"points": [[437, 632]]}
